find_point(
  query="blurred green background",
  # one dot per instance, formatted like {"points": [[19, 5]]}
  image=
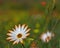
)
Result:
{"points": [[39, 15]]}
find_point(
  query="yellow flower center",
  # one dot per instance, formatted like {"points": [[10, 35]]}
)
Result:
{"points": [[19, 35]]}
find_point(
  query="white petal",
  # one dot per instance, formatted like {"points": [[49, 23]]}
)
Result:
{"points": [[18, 29], [12, 39], [10, 31], [28, 30], [9, 38], [14, 36], [19, 26], [43, 37], [15, 27], [23, 36], [16, 42], [49, 34], [27, 34], [9, 34], [25, 28]]}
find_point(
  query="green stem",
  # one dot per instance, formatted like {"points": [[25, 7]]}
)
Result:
{"points": [[55, 25], [23, 46], [49, 13]]}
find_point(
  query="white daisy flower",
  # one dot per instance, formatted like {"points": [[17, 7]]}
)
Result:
{"points": [[18, 34], [46, 37]]}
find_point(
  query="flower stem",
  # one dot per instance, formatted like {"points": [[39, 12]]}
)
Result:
{"points": [[23, 46], [55, 25]]}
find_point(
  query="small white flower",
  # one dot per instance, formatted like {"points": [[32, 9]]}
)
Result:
{"points": [[18, 34], [46, 37]]}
